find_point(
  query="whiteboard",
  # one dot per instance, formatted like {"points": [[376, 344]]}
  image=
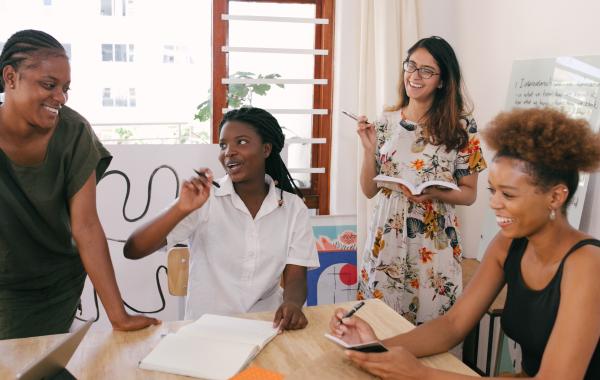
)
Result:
{"points": [[137, 278], [570, 84]]}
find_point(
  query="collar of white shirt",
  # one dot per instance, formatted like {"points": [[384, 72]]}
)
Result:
{"points": [[270, 203]]}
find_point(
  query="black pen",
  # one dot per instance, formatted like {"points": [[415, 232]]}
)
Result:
{"points": [[204, 175], [353, 310], [353, 116]]}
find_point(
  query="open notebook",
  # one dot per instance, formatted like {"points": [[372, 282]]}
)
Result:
{"points": [[213, 347]]}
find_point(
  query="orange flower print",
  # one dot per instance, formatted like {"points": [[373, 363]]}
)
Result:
{"points": [[415, 283], [379, 243], [426, 255], [473, 144], [417, 164], [364, 275], [378, 294], [456, 251], [359, 295]]}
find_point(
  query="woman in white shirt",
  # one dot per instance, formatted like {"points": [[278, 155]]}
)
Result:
{"points": [[244, 235]]}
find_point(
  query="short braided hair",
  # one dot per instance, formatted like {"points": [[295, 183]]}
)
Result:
{"points": [[270, 131], [23, 45]]}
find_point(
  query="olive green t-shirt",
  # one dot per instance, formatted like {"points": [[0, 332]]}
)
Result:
{"points": [[41, 273]]}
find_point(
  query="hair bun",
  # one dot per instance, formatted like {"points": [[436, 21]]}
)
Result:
{"points": [[547, 137]]}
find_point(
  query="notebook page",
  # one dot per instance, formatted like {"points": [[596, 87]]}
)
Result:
{"points": [[185, 355], [232, 329]]}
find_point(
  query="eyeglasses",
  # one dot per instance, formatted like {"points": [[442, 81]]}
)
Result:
{"points": [[424, 72]]}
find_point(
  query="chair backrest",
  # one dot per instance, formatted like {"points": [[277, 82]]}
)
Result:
{"points": [[178, 270]]}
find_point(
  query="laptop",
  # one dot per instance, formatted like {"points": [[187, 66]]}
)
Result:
{"points": [[52, 364]]}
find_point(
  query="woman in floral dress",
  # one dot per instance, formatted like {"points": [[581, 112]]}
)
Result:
{"points": [[413, 252]]}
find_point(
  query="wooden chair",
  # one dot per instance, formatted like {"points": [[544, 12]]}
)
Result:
{"points": [[178, 268], [471, 343]]}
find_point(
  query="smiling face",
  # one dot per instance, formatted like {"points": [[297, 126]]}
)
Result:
{"points": [[243, 152], [417, 87], [522, 208], [39, 88]]}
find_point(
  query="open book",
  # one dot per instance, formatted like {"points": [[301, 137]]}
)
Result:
{"points": [[213, 347], [415, 189], [374, 346]]}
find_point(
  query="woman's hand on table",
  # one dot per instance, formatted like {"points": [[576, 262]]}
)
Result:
{"points": [[133, 322], [289, 316]]}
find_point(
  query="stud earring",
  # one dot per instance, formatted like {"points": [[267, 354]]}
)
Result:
{"points": [[552, 214]]}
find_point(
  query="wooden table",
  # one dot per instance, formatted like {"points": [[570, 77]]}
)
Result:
{"points": [[108, 354]]}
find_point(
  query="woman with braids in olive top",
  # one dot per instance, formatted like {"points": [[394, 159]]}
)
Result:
{"points": [[243, 235], [551, 269], [50, 161]]}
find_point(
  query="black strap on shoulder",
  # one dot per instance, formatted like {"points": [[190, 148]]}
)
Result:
{"points": [[580, 244]]}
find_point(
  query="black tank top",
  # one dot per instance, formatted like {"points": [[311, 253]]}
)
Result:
{"points": [[529, 315]]}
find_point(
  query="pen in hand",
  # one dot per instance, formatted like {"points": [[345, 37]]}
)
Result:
{"points": [[353, 310], [352, 116], [204, 176]]}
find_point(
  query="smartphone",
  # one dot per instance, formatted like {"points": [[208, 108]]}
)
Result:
{"points": [[362, 347], [369, 347]]}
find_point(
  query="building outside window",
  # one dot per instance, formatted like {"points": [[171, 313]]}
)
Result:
{"points": [[116, 7], [117, 52], [119, 97]]}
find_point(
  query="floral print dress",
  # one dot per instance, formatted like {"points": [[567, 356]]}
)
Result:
{"points": [[412, 253]]}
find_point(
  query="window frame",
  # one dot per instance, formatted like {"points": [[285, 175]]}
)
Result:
{"points": [[317, 196]]}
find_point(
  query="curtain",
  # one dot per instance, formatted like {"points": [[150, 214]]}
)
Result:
{"points": [[387, 29]]}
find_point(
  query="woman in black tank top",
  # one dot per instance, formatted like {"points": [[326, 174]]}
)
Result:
{"points": [[552, 270]]}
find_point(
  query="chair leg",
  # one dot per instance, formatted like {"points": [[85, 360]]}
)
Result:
{"points": [[499, 349]]}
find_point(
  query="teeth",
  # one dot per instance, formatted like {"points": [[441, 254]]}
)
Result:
{"points": [[502, 220], [53, 110], [415, 85]]}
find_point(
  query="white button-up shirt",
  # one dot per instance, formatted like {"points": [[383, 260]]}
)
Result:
{"points": [[236, 262]]}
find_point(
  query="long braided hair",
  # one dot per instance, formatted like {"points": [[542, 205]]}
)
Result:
{"points": [[23, 45], [270, 131]]}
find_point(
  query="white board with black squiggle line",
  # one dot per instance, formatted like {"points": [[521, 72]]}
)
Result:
{"points": [[137, 279]]}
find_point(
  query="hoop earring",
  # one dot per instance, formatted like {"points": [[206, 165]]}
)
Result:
{"points": [[552, 214]]}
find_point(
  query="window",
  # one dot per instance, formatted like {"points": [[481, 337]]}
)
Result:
{"points": [[116, 7], [118, 97], [161, 100], [107, 100], [176, 54], [47, 2], [106, 7], [117, 52], [286, 44]]}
